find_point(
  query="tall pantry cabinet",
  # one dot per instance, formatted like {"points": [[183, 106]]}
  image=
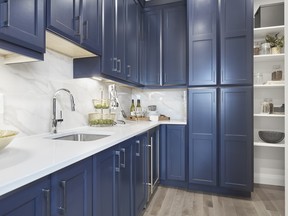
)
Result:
{"points": [[220, 95]]}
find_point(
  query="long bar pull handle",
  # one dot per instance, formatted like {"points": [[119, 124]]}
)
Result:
{"points": [[77, 21], [138, 153], [48, 201], [62, 209], [123, 165], [151, 165], [118, 65], [86, 28], [5, 10], [117, 168], [129, 71], [114, 65]]}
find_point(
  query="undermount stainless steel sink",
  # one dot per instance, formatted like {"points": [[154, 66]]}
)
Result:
{"points": [[81, 137]]}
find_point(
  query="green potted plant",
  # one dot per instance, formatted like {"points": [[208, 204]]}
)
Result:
{"points": [[276, 42]]}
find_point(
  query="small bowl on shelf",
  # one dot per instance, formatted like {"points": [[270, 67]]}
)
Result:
{"points": [[6, 136], [271, 136]]}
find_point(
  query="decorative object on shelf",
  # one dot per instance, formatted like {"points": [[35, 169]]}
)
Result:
{"points": [[277, 73], [271, 136], [270, 15], [6, 136], [256, 48], [265, 49], [265, 106], [279, 110], [276, 43], [271, 106], [258, 79]]}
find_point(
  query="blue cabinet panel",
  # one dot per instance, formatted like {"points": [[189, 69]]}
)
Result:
{"points": [[203, 136], [175, 158], [202, 42], [174, 45], [104, 175], [32, 200], [72, 190], [236, 148], [236, 30], [152, 62], [139, 170], [22, 23]]}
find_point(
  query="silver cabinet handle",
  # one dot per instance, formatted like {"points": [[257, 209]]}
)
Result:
{"points": [[117, 168], [48, 201], [129, 71], [119, 66], [86, 28], [77, 20], [138, 153], [151, 166], [62, 209], [114, 65], [5, 6], [123, 165]]}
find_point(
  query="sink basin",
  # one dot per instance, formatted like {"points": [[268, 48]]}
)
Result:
{"points": [[81, 137]]}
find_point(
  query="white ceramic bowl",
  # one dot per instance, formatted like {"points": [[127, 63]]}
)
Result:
{"points": [[6, 136]]}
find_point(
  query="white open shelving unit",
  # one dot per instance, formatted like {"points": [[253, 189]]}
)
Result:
{"points": [[269, 159]]}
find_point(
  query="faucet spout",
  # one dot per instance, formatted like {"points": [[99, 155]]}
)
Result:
{"points": [[54, 118]]}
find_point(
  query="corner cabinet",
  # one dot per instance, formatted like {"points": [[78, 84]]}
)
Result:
{"points": [[79, 21], [164, 46], [230, 44], [32, 200], [22, 23], [72, 190]]}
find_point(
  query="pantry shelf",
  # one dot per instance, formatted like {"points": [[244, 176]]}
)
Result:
{"points": [[260, 33], [270, 115], [269, 57], [262, 144]]}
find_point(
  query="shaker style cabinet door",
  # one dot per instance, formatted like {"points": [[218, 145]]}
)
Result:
{"points": [[174, 45], [203, 136], [23, 23], [32, 200], [236, 24], [202, 27], [236, 139], [72, 190]]}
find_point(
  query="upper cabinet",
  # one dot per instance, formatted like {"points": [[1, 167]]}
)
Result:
{"points": [[224, 52], [22, 24], [164, 46], [121, 28], [78, 21]]}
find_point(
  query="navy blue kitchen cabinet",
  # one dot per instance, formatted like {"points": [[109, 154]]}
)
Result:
{"points": [[104, 182], [72, 190], [236, 146], [139, 173], [164, 47], [32, 199], [173, 151], [223, 52], [121, 29], [236, 30], [202, 30], [78, 21], [203, 136], [23, 24]]}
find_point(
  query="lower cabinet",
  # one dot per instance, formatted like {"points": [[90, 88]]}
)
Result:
{"points": [[32, 200], [173, 154], [72, 190]]}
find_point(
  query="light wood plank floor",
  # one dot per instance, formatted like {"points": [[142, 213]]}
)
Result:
{"points": [[265, 201]]}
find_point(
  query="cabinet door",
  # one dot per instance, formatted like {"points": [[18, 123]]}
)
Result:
{"points": [[202, 27], [175, 158], [174, 45], [104, 170], [22, 23], [202, 136], [236, 22], [91, 25], [124, 186], [131, 41], [72, 190], [108, 42], [236, 150], [64, 18], [152, 61], [139, 169], [32, 200]]}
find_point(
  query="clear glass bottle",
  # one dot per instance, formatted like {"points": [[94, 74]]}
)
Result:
{"points": [[132, 109], [265, 106], [138, 109]]}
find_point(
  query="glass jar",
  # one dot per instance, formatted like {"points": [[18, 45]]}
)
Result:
{"points": [[256, 49], [265, 106], [258, 79], [265, 48]]}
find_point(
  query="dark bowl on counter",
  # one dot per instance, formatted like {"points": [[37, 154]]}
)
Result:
{"points": [[271, 136]]}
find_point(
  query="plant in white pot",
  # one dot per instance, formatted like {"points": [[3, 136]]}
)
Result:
{"points": [[276, 42]]}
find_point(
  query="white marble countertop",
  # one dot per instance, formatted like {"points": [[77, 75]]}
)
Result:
{"points": [[29, 158]]}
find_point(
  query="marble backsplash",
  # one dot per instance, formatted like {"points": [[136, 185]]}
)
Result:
{"points": [[28, 89]]}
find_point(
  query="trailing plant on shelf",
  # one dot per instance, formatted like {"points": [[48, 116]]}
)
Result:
{"points": [[276, 42]]}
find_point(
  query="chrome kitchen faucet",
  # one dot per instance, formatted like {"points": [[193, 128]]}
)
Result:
{"points": [[54, 120]]}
